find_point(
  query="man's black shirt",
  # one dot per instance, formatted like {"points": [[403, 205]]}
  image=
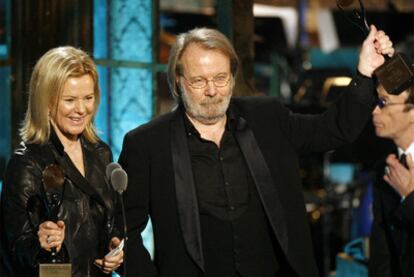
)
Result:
{"points": [[236, 235]]}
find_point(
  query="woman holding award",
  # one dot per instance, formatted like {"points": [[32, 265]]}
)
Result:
{"points": [[57, 206]]}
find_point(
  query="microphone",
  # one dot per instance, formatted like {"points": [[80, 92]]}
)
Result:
{"points": [[119, 182], [53, 179], [111, 167]]}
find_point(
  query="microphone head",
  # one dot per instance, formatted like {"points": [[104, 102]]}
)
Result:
{"points": [[119, 180], [109, 168], [345, 3], [53, 178]]}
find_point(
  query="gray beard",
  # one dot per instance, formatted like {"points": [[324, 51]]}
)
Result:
{"points": [[210, 111]]}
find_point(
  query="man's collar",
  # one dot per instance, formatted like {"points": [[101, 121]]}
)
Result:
{"points": [[189, 127], [231, 123], [409, 150]]}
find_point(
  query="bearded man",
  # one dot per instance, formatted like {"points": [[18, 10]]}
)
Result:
{"points": [[219, 175]]}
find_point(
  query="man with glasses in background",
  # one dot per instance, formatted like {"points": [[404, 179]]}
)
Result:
{"points": [[219, 175], [392, 234]]}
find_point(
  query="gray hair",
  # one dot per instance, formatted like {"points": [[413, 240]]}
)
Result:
{"points": [[210, 39]]}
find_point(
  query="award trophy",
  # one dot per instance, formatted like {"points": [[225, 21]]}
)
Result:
{"points": [[397, 73], [53, 180], [358, 18]]}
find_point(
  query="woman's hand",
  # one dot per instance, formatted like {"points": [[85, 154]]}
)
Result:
{"points": [[109, 264], [51, 234]]}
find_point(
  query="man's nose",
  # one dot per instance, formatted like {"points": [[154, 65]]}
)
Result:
{"points": [[211, 89], [376, 110]]}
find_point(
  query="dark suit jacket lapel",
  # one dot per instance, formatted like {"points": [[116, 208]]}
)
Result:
{"points": [[263, 181], [185, 190]]}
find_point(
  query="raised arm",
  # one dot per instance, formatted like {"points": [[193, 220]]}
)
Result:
{"points": [[375, 46]]}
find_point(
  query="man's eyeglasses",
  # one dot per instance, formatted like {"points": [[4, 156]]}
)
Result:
{"points": [[381, 103], [219, 81]]}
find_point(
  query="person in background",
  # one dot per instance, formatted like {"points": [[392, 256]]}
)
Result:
{"points": [[392, 232], [219, 175], [58, 132]]}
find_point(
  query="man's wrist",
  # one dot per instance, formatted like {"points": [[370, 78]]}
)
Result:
{"points": [[404, 196], [363, 75]]}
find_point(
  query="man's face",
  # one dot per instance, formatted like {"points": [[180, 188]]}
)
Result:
{"points": [[391, 118], [206, 104]]}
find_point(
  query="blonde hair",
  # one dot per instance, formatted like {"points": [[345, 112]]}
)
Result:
{"points": [[210, 39], [47, 81]]}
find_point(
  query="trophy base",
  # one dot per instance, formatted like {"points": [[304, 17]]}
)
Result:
{"points": [[55, 270]]}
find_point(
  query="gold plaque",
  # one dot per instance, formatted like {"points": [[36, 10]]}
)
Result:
{"points": [[55, 270]]}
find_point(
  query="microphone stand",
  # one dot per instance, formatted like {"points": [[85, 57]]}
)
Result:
{"points": [[119, 181], [125, 231]]}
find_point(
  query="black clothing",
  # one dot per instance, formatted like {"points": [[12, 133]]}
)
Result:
{"points": [[220, 192], [403, 160], [392, 233], [162, 183], [229, 206], [87, 207]]}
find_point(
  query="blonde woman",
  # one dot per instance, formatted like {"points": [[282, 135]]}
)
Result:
{"points": [[58, 132]]}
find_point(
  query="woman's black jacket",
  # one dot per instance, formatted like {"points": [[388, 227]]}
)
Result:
{"points": [[87, 207]]}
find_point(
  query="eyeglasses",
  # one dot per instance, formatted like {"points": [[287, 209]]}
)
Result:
{"points": [[381, 103], [219, 81]]}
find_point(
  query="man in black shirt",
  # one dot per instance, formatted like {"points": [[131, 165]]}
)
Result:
{"points": [[219, 174]]}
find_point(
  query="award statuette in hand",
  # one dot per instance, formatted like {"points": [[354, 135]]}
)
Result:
{"points": [[397, 73], [53, 180], [357, 17]]}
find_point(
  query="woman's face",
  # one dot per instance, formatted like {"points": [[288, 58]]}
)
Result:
{"points": [[75, 107]]}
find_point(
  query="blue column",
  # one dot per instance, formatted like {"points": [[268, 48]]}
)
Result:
{"points": [[123, 39], [5, 89], [100, 51], [123, 35]]}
